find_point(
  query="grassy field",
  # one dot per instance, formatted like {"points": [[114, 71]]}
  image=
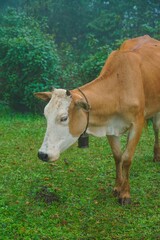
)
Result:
{"points": [[72, 199]]}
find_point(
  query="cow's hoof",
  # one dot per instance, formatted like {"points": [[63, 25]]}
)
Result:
{"points": [[156, 159], [124, 201]]}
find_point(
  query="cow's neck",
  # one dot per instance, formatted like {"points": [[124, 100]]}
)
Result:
{"points": [[101, 99]]}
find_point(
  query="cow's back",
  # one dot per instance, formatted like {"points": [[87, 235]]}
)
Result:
{"points": [[138, 43], [131, 77]]}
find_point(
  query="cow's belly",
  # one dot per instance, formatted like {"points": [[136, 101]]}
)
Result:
{"points": [[151, 109], [114, 126]]}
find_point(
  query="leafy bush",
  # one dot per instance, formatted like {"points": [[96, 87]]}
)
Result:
{"points": [[91, 68], [28, 60], [79, 69], [71, 67]]}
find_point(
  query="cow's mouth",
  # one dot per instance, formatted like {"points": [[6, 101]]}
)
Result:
{"points": [[47, 157]]}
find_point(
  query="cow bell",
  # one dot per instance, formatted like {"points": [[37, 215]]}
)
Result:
{"points": [[83, 141]]}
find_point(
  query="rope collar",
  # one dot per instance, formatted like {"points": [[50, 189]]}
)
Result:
{"points": [[87, 111]]}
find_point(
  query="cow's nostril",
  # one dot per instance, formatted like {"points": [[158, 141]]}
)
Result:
{"points": [[43, 156]]}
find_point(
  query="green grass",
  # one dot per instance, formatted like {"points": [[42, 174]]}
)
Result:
{"points": [[84, 207]]}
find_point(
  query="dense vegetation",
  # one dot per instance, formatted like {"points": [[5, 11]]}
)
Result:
{"points": [[28, 59], [63, 43], [72, 198]]}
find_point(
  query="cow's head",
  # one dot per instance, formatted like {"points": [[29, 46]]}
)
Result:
{"points": [[66, 121]]}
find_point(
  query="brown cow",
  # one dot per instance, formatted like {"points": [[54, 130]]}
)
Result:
{"points": [[125, 94]]}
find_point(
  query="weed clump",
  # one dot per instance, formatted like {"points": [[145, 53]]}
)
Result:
{"points": [[46, 195]]}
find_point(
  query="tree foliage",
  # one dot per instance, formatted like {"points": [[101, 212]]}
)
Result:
{"points": [[28, 60], [84, 31], [72, 21], [107, 20]]}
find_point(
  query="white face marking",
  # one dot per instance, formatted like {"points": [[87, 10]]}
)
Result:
{"points": [[57, 137]]}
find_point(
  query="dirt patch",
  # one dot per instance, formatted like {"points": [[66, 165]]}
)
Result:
{"points": [[46, 195]]}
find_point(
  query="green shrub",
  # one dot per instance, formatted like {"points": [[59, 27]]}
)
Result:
{"points": [[70, 63], [28, 60], [79, 69], [91, 68]]}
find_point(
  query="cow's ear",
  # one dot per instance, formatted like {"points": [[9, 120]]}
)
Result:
{"points": [[83, 105], [46, 96]]}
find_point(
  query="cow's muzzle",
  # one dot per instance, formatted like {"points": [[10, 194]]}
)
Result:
{"points": [[43, 156]]}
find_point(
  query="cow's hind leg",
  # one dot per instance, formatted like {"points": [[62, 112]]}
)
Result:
{"points": [[156, 127], [116, 150]]}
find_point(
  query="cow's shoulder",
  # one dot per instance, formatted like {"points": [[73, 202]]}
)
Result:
{"points": [[118, 61]]}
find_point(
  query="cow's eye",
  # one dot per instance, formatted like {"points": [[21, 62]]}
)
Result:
{"points": [[63, 119]]}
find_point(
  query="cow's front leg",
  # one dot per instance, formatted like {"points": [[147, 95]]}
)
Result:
{"points": [[156, 126], [133, 138], [116, 150]]}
